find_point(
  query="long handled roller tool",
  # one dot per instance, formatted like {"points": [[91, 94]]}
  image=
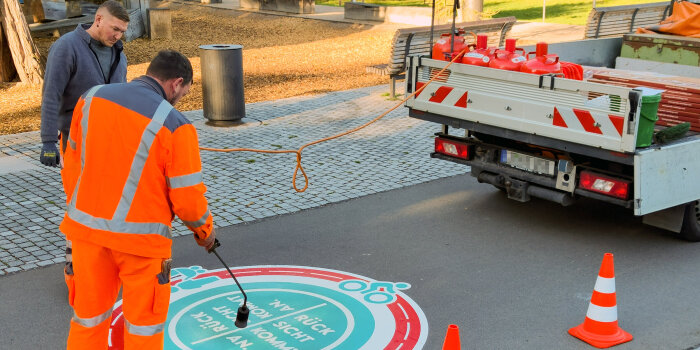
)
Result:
{"points": [[243, 311]]}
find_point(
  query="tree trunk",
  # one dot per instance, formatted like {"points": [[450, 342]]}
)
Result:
{"points": [[472, 9], [7, 67], [25, 55]]}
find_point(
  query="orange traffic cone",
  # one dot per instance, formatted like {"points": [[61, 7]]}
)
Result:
{"points": [[452, 338], [600, 327]]}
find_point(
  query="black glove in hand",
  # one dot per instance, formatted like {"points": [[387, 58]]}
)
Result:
{"points": [[49, 154]]}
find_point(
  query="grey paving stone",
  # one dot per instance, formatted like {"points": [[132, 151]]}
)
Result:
{"points": [[45, 263], [28, 258], [20, 254], [13, 263], [28, 266]]}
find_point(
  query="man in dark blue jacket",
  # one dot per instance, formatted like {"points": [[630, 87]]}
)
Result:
{"points": [[88, 56]]}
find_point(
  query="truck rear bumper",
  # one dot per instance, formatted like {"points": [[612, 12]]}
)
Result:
{"points": [[618, 157], [521, 185]]}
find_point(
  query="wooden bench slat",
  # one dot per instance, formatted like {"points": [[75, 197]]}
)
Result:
{"points": [[621, 29], [656, 17], [616, 17], [623, 25], [381, 69]]}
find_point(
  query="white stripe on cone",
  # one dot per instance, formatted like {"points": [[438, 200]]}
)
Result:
{"points": [[601, 313], [605, 285]]}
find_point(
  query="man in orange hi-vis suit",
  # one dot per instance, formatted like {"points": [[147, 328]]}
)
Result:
{"points": [[132, 162]]}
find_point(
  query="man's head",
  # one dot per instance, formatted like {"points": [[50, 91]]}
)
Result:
{"points": [[111, 21], [174, 73]]}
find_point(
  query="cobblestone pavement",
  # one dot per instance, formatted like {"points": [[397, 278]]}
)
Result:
{"points": [[242, 187]]}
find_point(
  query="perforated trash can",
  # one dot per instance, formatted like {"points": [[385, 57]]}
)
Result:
{"points": [[222, 83]]}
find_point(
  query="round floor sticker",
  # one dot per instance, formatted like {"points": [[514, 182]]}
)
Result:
{"points": [[291, 308]]}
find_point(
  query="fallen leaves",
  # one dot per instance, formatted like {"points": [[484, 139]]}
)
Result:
{"points": [[282, 57]]}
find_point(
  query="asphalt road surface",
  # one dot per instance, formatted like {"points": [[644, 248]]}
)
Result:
{"points": [[511, 275]]}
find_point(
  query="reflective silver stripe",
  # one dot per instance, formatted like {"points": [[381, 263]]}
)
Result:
{"points": [[144, 330], [198, 223], [140, 158], [605, 285], [185, 180], [602, 313], [84, 126], [92, 321], [72, 143], [118, 226]]}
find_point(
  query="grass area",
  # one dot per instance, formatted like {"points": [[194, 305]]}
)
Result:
{"points": [[557, 11]]}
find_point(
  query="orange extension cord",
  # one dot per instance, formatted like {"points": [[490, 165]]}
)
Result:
{"points": [[298, 151]]}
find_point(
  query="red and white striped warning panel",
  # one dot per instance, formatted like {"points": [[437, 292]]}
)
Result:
{"points": [[592, 122], [443, 95]]}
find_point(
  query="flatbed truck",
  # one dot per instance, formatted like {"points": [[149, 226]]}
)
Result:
{"points": [[548, 137]]}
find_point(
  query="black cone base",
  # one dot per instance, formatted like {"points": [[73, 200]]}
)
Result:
{"points": [[242, 317]]}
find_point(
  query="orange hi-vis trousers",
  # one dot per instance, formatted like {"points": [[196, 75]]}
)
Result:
{"points": [[99, 273]]}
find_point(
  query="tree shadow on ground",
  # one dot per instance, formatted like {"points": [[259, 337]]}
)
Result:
{"points": [[559, 10]]}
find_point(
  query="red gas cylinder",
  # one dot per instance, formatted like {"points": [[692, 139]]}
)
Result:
{"points": [[508, 59], [441, 49], [481, 56], [543, 63]]}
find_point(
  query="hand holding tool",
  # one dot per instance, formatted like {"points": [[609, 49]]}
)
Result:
{"points": [[207, 243]]}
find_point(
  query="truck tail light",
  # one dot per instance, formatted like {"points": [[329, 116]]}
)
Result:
{"points": [[452, 148], [604, 184]]}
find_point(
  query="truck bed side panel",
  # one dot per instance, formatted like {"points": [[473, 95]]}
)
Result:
{"points": [[667, 176]]}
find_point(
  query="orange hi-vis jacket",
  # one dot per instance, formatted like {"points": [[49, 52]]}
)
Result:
{"points": [[132, 162]]}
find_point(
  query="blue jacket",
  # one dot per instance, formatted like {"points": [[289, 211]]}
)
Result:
{"points": [[71, 69]]}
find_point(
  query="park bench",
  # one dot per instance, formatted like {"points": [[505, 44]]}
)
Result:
{"points": [[416, 41], [619, 20]]}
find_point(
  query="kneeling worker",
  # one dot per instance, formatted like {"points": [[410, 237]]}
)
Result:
{"points": [[132, 162]]}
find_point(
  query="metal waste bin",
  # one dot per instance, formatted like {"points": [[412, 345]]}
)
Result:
{"points": [[222, 83]]}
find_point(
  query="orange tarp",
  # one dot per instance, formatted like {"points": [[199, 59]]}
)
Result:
{"points": [[684, 21]]}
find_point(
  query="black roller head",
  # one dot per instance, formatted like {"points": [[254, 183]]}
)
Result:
{"points": [[242, 317]]}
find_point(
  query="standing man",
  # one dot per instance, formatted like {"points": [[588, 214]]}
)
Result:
{"points": [[132, 161], [89, 55]]}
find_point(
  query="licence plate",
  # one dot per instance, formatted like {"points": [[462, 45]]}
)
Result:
{"points": [[528, 163]]}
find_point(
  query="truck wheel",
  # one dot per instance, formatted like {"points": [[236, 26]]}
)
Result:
{"points": [[691, 222]]}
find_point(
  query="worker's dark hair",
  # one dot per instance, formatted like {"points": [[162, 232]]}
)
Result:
{"points": [[116, 9], [170, 64]]}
